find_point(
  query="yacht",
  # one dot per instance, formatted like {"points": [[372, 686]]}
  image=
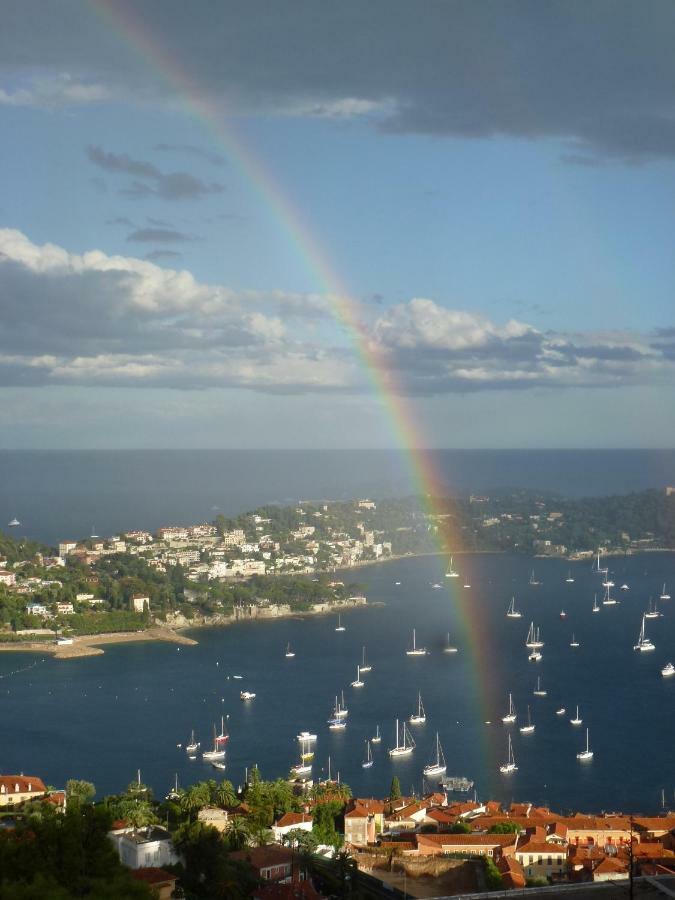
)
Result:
{"points": [[563, 614], [415, 650], [358, 683], [289, 653], [595, 608], [587, 753], [574, 642], [451, 572], [653, 612], [302, 768], [337, 724], [512, 612], [404, 742], [218, 751], [368, 761], [340, 711], [624, 587], [643, 643], [664, 593], [509, 766], [561, 711], [448, 646], [533, 639], [15, 523], [306, 736], [223, 737], [246, 695], [533, 581], [576, 720], [668, 670], [569, 578], [340, 626], [377, 737], [539, 691], [420, 717], [365, 667], [511, 714], [437, 765], [192, 746], [607, 599], [529, 728], [535, 655]]}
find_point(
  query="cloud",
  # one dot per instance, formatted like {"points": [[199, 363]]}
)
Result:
{"points": [[95, 319], [156, 255], [169, 185], [598, 77], [158, 236], [52, 91], [191, 150]]}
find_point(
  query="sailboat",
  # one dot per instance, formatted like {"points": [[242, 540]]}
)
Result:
{"points": [[512, 612], [529, 728], [563, 614], [341, 710], [664, 593], [337, 718], [644, 643], [574, 642], [448, 646], [289, 653], [437, 765], [587, 753], [569, 578], [533, 640], [377, 737], [218, 751], [368, 761], [306, 736], [653, 612], [596, 608], [576, 720], [358, 683], [415, 650], [340, 626], [304, 767], [14, 523], [539, 691], [509, 766], [533, 581], [192, 746], [223, 737], [404, 743], [511, 714], [607, 600], [365, 667], [451, 572], [420, 717]]}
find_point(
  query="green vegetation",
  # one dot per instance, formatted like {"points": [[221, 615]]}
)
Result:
{"points": [[395, 789], [505, 828], [493, 877]]}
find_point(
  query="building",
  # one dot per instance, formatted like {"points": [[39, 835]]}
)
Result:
{"points": [[542, 859], [493, 845], [271, 863], [139, 603], [16, 789], [215, 817], [8, 578], [142, 848], [161, 883], [67, 547], [65, 609], [291, 821]]}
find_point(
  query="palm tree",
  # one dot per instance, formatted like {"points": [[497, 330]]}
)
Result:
{"points": [[225, 795], [238, 832]]}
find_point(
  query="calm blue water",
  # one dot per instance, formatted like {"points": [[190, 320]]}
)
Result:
{"points": [[102, 718], [65, 495]]}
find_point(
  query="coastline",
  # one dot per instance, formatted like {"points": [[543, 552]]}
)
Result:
{"points": [[89, 644]]}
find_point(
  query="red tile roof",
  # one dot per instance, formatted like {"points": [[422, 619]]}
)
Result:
{"points": [[293, 818], [154, 876], [22, 784], [264, 857]]}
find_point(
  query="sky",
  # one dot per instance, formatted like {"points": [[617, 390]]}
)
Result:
{"points": [[302, 224]]}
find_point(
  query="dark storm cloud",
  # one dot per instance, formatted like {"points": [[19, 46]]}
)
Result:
{"points": [[598, 75], [168, 185]]}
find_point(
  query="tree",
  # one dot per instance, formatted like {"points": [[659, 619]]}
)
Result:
{"points": [[505, 828], [225, 794], [460, 828], [238, 833], [138, 813], [79, 791], [395, 789], [493, 878]]}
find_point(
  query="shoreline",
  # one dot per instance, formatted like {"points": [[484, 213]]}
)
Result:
{"points": [[89, 644]]}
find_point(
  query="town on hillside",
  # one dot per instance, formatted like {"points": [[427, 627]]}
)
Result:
{"points": [[287, 839], [259, 562]]}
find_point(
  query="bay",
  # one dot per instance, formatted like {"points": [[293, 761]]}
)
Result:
{"points": [[104, 717]]}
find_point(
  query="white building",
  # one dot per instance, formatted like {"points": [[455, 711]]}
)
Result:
{"points": [[7, 578], [140, 603], [143, 848]]}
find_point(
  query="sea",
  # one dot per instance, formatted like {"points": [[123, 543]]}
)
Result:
{"points": [[133, 708], [103, 718]]}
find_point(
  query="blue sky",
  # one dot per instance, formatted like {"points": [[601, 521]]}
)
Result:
{"points": [[502, 218]]}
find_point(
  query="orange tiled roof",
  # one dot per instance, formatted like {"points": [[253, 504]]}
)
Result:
{"points": [[292, 818], [22, 784]]}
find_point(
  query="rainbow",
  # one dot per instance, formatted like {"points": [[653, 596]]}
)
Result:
{"points": [[122, 18]]}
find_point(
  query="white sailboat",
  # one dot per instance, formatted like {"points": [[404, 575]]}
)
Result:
{"points": [[529, 728], [511, 714], [533, 639], [368, 761], [533, 581], [574, 642], [664, 593], [576, 720], [448, 646], [289, 653], [512, 612], [420, 717], [404, 742], [653, 610], [539, 691], [340, 626], [643, 643], [569, 578], [246, 695], [365, 667], [377, 737], [451, 572], [437, 765], [341, 710], [509, 767], [223, 737], [218, 751], [415, 650], [607, 599], [587, 753], [358, 683], [596, 608], [337, 717], [192, 746]]}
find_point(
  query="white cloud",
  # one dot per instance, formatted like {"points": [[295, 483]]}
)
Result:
{"points": [[52, 91]]}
